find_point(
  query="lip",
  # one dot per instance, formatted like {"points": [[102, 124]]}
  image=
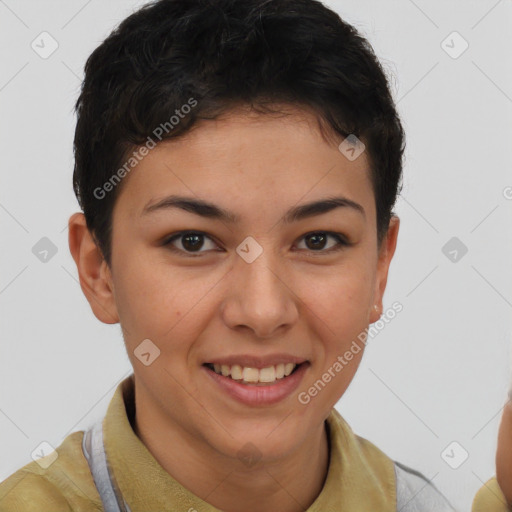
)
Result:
{"points": [[250, 394], [250, 361]]}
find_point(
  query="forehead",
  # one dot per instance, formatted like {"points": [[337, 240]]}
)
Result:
{"points": [[248, 161]]}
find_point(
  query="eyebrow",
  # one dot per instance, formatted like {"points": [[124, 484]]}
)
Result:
{"points": [[212, 211]]}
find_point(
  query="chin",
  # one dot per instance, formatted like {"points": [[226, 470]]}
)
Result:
{"points": [[267, 442]]}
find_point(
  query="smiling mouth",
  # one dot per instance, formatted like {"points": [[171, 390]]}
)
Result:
{"points": [[254, 376]]}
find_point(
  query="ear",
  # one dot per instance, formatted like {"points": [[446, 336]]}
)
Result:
{"points": [[93, 271], [386, 252]]}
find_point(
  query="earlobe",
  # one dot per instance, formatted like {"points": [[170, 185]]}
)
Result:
{"points": [[375, 313], [386, 252], [94, 274]]}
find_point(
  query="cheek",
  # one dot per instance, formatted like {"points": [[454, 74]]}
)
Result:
{"points": [[340, 310], [342, 300], [155, 301]]}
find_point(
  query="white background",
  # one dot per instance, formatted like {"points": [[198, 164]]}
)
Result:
{"points": [[437, 373]]}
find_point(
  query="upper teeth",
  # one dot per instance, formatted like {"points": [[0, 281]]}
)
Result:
{"points": [[247, 374]]}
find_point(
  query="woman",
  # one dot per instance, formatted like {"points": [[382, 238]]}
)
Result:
{"points": [[237, 163]]}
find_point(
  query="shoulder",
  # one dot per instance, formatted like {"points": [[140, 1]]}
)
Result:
{"points": [[25, 491], [60, 482], [416, 493], [490, 498]]}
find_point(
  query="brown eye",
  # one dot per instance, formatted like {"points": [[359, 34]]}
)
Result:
{"points": [[190, 241], [316, 242]]}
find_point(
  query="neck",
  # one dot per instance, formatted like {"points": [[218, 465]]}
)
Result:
{"points": [[290, 484]]}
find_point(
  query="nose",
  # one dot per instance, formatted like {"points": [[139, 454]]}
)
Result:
{"points": [[260, 298]]}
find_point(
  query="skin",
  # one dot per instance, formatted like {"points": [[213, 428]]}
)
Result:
{"points": [[294, 298], [504, 453]]}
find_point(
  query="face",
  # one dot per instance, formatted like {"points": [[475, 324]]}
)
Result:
{"points": [[270, 282]]}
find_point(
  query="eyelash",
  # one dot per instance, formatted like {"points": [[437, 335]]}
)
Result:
{"points": [[342, 242]]}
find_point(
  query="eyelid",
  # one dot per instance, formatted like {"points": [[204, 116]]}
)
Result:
{"points": [[176, 236], [340, 237]]}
